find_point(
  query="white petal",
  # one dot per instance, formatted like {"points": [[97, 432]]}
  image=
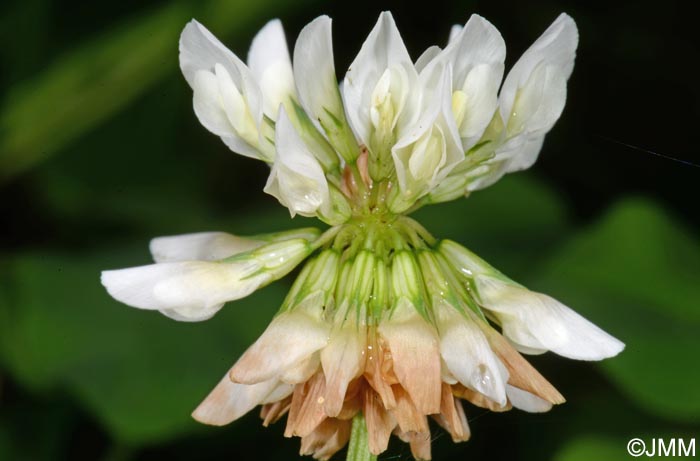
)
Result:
{"points": [[468, 356], [202, 246], [476, 54], [526, 401], [200, 50], [297, 179], [188, 290], [192, 315], [467, 263], [428, 55], [314, 70], [213, 115], [418, 164], [269, 63], [479, 42], [429, 155], [430, 148], [526, 154], [207, 104], [537, 321], [528, 350], [534, 92], [229, 401], [531, 100], [239, 146], [226, 99], [384, 49], [269, 46], [195, 290], [235, 106], [454, 32], [445, 375], [517, 154], [290, 339], [480, 87], [538, 103]]}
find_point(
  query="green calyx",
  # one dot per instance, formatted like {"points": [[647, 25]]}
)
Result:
{"points": [[363, 269]]}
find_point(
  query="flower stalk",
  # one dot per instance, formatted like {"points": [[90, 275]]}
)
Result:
{"points": [[358, 447]]}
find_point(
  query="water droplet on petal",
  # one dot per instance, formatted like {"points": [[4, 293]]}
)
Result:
{"points": [[483, 380]]}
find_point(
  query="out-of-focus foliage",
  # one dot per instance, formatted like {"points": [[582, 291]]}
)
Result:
{"points": [[100, 77], [598, 448], [637, 273], [136, 372], [100, 151], [510, 224]]}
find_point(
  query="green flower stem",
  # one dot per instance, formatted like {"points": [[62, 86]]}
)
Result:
{"points": [[358, 448]]}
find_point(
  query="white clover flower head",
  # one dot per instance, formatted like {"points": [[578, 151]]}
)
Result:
{"points": [[384, 320]]}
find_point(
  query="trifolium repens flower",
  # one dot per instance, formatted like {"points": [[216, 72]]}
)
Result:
{"points": [[385, 324]]}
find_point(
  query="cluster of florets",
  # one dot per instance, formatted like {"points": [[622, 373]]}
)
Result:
{"points": [[384, 320]]}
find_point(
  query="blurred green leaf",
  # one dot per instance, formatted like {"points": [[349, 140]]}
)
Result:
{"points": [[138, 372], [134, 183], [636, 274], [590, 447], [89, 84], [34, 430], [509, 224], [86, 86], [600, 448], [587, 448]]}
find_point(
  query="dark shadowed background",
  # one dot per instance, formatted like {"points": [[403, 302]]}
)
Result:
{"points": [[100, 151]]}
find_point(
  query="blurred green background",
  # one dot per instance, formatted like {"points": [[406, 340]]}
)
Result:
{"points": [[100, 151]]}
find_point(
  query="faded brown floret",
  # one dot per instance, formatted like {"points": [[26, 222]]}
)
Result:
{"points": [[393, 394]]}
